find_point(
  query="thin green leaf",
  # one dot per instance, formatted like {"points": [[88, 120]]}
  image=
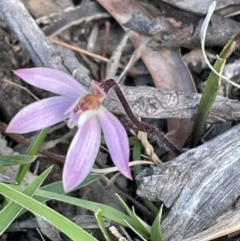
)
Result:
{"points": [[139, 223], [100, 221], [144, 224], [208, 97], [150, 205], [108, 212], [16, 160], [128, 210], [32, 150], [137, 169], [136, 231], [66, 226], [57, 187], [156, 234], [137, 156], [132, 140], [213, 81], [12, 209]]}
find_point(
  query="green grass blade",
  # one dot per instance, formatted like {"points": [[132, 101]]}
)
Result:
{"points": [[100, 221], [66, 226], [57, 187], [213, 81], [137, 169], [108, 212], [12, 209], [138, 223], [128, 210], [208, 97], [32, 150], [137, 156], [16, 160], [156, 234], [136, 231], [150, 205], [146, 227]]}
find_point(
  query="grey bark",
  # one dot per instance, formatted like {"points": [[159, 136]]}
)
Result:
{"points": [[149, 102], [198, 185], [92, 11], [18, 19], [145, 101]]}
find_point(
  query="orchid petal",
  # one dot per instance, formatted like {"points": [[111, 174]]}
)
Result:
{"points": [[80, 119], [81, 154], [73, 120], [85, 116], [40, 114], [116, 139], [97, 90], [52, 80]]}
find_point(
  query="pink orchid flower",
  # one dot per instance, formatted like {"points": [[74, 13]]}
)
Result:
{"points": [[82, 109]]}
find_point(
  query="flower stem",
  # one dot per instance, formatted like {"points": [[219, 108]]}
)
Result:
{"points": [[139, 125]]}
